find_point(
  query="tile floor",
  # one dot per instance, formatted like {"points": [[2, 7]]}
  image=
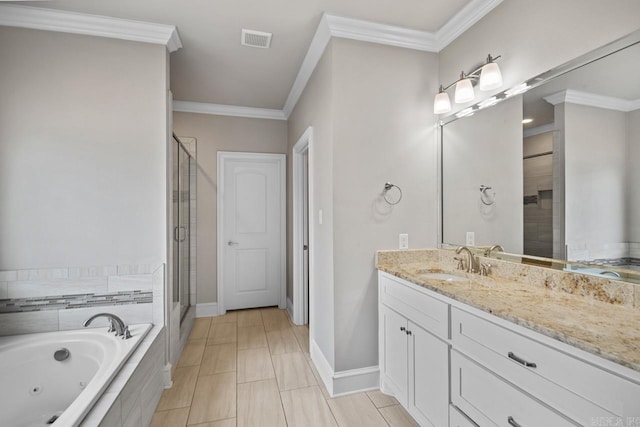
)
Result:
{"points": [[252, 368]]}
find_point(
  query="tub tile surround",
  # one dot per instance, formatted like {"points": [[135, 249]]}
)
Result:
{"points": [[43, 300], [598, 315]]}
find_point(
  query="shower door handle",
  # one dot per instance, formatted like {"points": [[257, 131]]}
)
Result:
{"points": [[179, 233]]}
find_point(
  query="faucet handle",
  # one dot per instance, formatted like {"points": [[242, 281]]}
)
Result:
{"points": [[485, 268], [125, 333], [112, 326], [460, 263]]}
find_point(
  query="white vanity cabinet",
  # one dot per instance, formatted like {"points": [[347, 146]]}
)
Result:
{"points": [[450, 364], [413, 361]]}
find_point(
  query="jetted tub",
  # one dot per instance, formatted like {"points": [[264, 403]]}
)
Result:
{"points": [[38, 390]]}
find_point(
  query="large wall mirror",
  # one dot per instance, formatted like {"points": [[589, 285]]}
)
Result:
{"points": [[551, 171]]}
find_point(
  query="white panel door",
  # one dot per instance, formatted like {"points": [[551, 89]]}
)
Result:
{"points": [[252, 235]]}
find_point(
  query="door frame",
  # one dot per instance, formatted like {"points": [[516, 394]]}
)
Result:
{"points": [[301, 299], [223, 156]]}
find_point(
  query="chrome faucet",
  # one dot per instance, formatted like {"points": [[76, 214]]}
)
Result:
{"points": [[472, 262], [115, 324], [498, 248]]}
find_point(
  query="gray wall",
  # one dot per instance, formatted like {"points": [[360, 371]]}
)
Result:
{"points": [[315, 108], [484, 149], [213, 134], [373, 123], [82, 150], [595, 143]]}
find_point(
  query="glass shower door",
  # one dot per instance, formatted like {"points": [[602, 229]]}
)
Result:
{"points": [[181, 218]]}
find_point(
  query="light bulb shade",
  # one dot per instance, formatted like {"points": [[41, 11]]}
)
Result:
{"points": [[464, 91], [490, 76], [441, 104]]}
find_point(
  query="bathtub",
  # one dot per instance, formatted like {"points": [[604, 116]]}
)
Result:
{"points": [[36, 388]]}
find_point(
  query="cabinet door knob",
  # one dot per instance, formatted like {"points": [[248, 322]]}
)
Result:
{"points": [[513, 422], [408, 332], [402, 328], [521, 360]]}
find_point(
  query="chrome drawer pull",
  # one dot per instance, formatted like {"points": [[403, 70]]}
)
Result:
{"points": [[513, 422], [521, 361]]}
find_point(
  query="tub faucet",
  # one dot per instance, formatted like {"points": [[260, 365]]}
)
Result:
{"points": [[115, 324], [472, 262]]}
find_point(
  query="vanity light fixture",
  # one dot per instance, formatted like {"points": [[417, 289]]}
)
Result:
{"points": [[489, 77]]}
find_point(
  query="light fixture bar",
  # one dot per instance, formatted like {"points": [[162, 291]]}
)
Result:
{"points": [[488, 75]]}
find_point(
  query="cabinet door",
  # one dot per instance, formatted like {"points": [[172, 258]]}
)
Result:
{"points": [[394, 354], [428, 378]]}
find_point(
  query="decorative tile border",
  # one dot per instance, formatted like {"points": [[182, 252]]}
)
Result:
{"points": [[64, 302]]}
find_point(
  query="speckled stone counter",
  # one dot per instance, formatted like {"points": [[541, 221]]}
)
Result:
{"points": [[595, 314]]}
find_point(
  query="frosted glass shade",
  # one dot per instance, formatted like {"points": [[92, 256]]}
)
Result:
{"points": [[490, 76], [441, 104], [464, 91]]}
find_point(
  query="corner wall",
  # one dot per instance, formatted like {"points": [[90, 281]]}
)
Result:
{"points": [[82, 151]]}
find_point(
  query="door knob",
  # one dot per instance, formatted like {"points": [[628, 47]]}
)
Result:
{"points": [[231, 243]]}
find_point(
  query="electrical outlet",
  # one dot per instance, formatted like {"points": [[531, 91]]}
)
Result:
{"points": [[320, 217], [471, 238], [403, 240]]}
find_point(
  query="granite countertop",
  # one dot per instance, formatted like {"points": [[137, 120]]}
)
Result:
{"points": [[609, 330]]}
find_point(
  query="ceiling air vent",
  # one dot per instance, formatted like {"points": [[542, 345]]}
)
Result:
{"points": [[253, 38]]}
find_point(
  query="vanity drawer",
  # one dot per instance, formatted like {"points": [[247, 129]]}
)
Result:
{"points": [[489, 400], [576, 388], [414, 303], [458, 419]]}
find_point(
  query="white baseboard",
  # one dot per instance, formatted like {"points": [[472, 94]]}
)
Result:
{"points": [[356, 380], [290, 308], [166, 376], [207, 309], [344, 382]]}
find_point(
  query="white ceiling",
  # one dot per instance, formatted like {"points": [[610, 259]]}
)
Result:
{"points": [[212, 67]]}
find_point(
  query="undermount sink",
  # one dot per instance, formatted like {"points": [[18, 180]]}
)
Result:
{"points": [[447, 277]]}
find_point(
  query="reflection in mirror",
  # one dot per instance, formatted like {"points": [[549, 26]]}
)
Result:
{"points": [[561, 161]]}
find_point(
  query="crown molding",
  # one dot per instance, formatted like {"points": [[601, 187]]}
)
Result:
{"points": [[314, 53], [356, 29], [228, 110], [550, 127], [91, 25], [463, 20], [571, 96]]}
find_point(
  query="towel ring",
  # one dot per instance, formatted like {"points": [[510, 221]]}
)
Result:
{"points": [[387, 187], [485, 197]]}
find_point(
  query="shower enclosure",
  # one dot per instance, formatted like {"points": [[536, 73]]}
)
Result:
{"points": [[182, 167]]}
